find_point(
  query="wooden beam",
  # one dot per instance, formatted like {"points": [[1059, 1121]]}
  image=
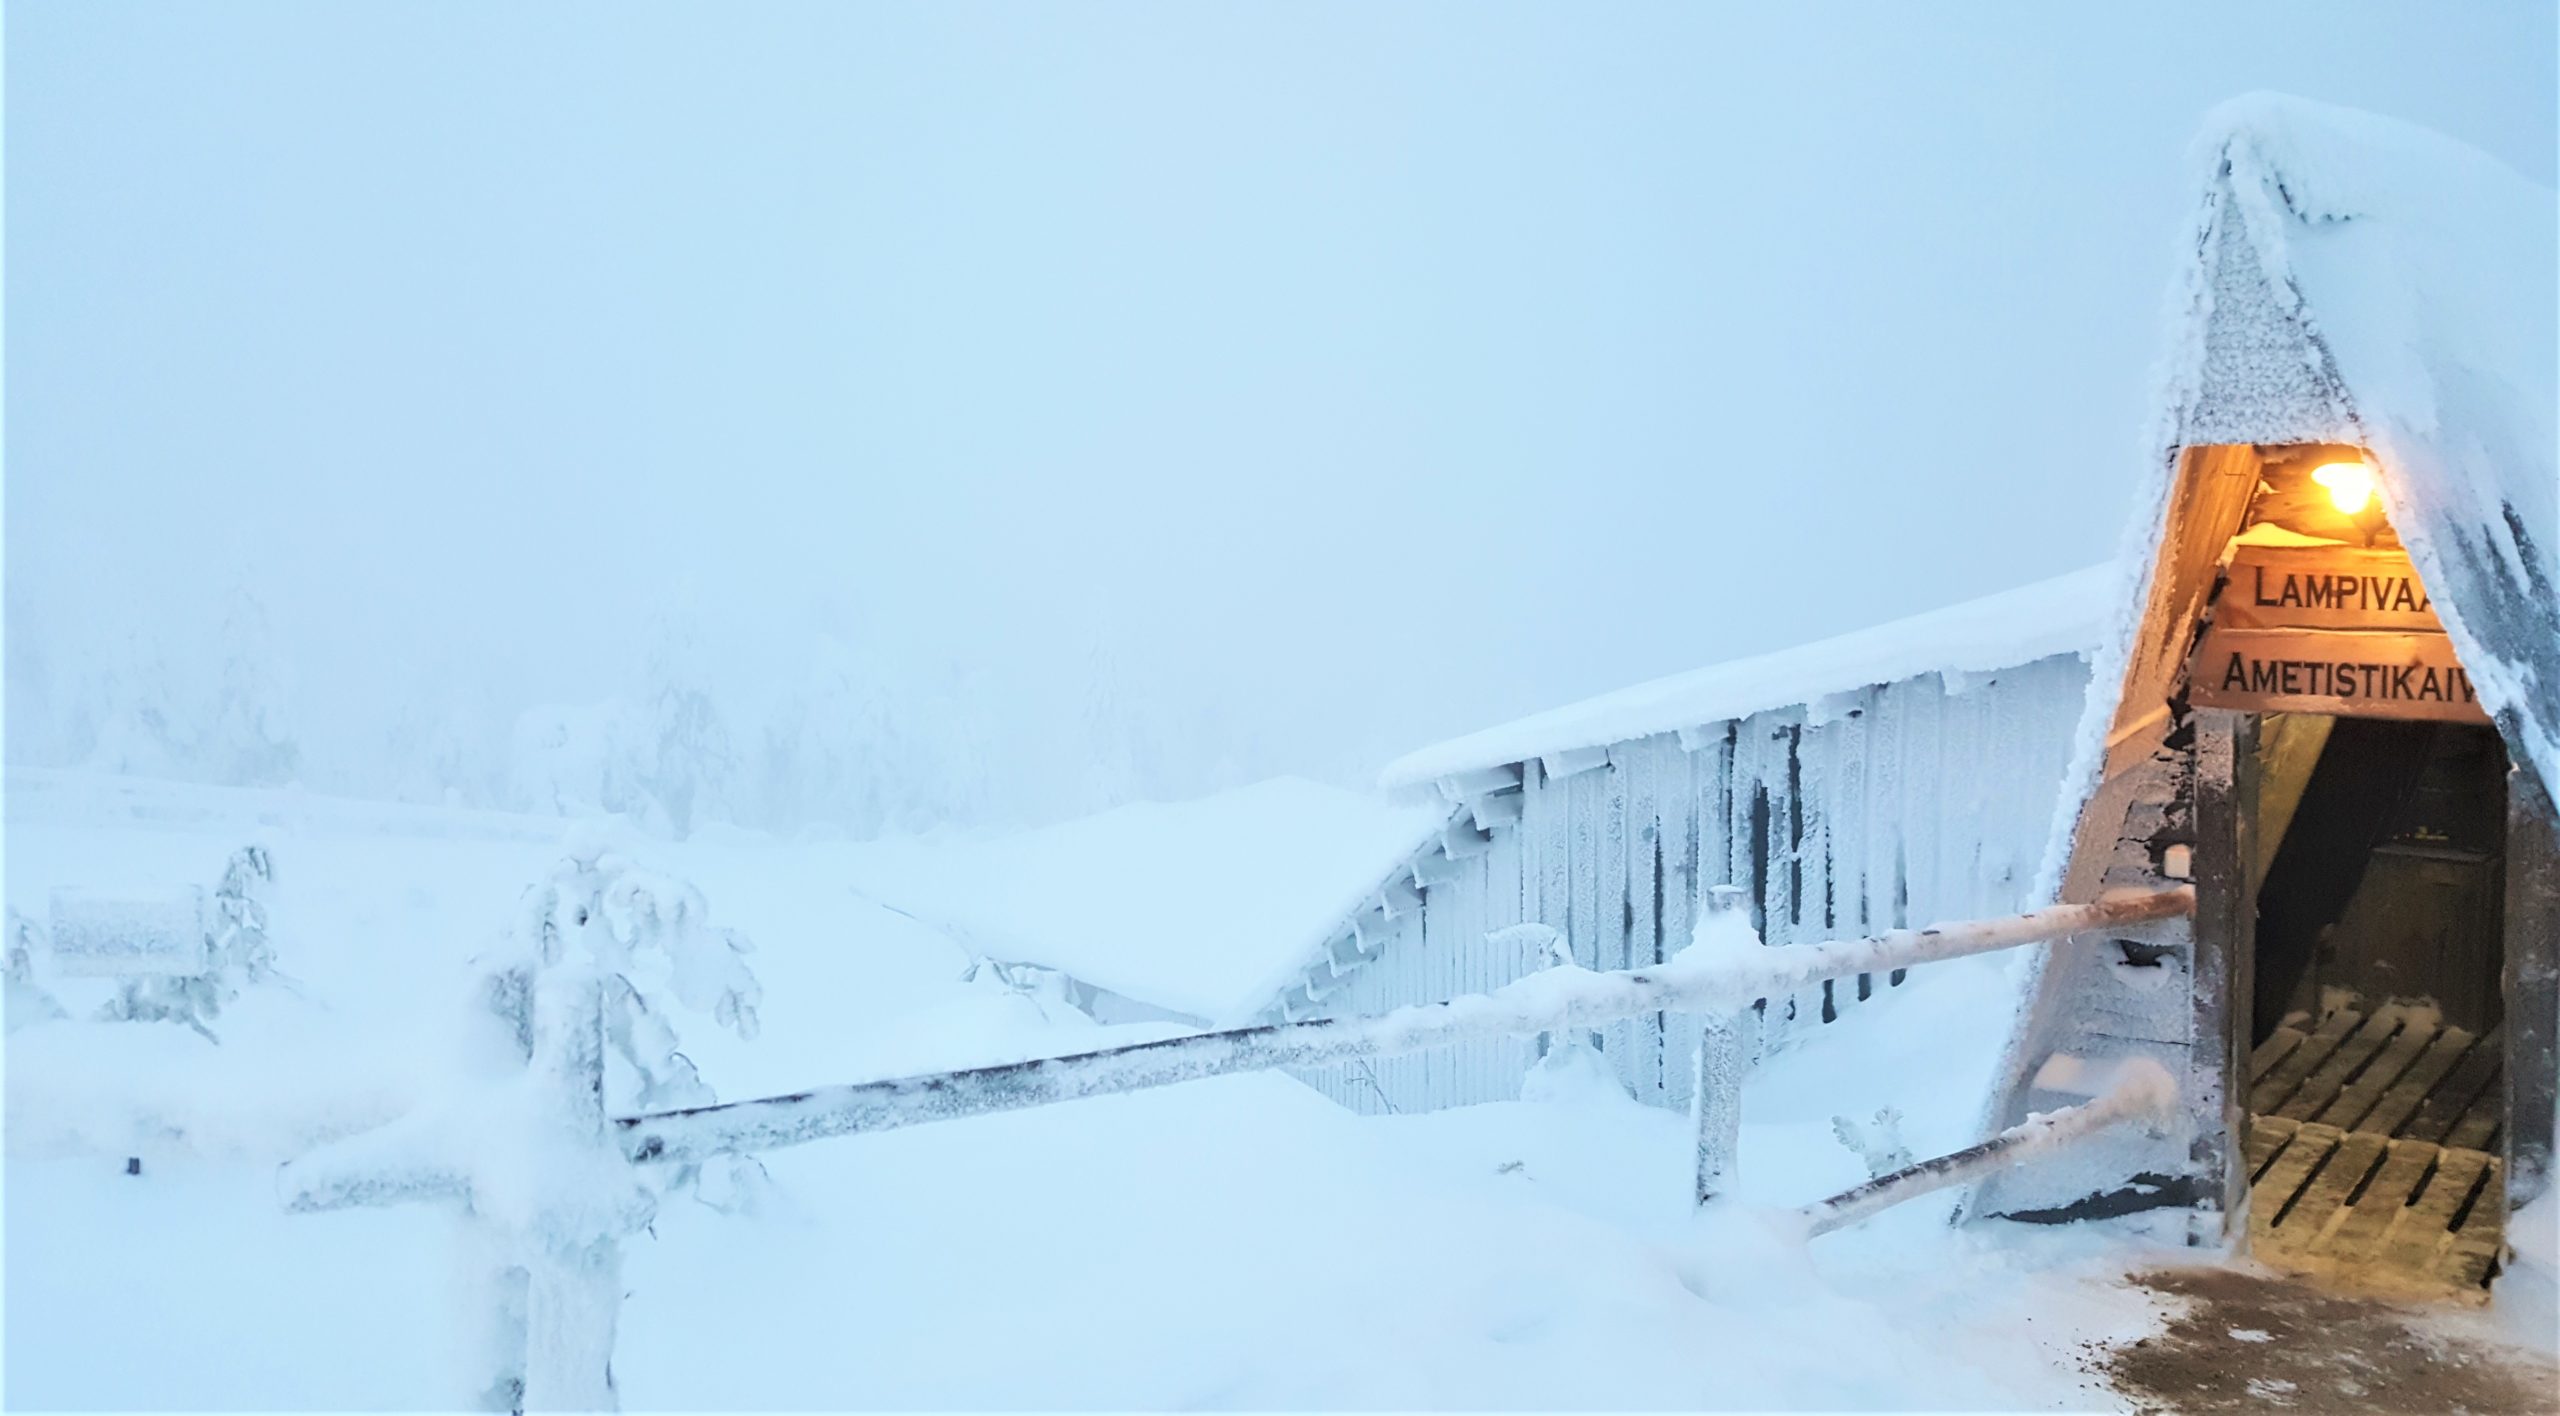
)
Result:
{"points": [[1552, 1001], [1574, 760], [1480, 781], [1500, 809], [2531, 983], [2222, 976], [1462, 841], [2145, 1092]]}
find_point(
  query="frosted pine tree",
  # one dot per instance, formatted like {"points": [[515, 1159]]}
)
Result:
{"points": [[248, 737], [241, 948], [581, 760], [129, 719], [825, 745], [692, 766]]}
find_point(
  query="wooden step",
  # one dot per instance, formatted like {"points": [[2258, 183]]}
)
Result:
{"points": [[2371, 1211], [2448, 1101], [2356, 1100], [2268, 1094], [2345, 1062], [2357, 1237], [2400, 1100]]}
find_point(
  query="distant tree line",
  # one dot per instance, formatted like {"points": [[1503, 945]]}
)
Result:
{"points": [[845, 742]]}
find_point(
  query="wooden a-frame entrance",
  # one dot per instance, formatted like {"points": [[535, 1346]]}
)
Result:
{"points": [[2297, 736]]}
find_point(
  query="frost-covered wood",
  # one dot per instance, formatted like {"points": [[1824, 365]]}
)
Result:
{"points": [[1715, 1102], [2143, 1092], [1716, 1072], [1555, 1000], [1875, 808]]}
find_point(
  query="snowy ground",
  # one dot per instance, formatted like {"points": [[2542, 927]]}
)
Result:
{"points": [[1237, 1243]]}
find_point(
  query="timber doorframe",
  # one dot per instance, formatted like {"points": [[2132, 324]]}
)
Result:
{"points": [[2225, 959], [2530, 980]]}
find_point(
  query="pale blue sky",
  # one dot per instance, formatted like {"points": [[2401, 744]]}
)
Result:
{"points": [[1373, 372]]}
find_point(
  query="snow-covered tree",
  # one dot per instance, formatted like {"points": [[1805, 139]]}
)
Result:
{"points": [[241, 947], [247, 737], [445, 745], [584, 759], [130, 717], [691, 766]]}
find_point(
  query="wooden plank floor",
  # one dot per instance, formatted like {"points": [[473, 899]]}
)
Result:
{"points": [[2371, 1150]]}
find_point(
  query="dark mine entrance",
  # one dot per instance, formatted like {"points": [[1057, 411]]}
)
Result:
{"points": [[2376, 1092], [2381, 844]]}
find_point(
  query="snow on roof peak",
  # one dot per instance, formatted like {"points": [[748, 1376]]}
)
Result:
{"points": [[2067, 614], [2421, 279], [2336, 163]]}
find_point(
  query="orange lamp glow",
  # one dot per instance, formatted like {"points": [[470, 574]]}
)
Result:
{"points": [[2350, 485]]}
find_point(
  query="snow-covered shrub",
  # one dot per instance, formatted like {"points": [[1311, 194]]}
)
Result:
{"points": [[28, 1000], [1045, 989], [240, 942], [1880, 1150], [191, 1000], [239, 953]]}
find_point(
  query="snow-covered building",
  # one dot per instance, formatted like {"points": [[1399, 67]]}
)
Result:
{"points": [[2330, 697], [1897, 775], [2322, 683]]}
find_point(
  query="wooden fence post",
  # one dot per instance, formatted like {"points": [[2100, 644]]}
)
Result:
{"points": [[1715, 1093], [1715, 1106], [573, 1260]]}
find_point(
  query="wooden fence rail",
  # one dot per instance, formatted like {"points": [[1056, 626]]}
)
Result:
{"points": [[1555, 1000], [551, 1176]]}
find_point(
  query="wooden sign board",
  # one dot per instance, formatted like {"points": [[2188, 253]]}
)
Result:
{"points": [[2323, 587], [2354, 675]]}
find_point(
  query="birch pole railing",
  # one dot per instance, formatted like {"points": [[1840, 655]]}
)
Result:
{"points": [[1552, 1001], [564, 1194]]}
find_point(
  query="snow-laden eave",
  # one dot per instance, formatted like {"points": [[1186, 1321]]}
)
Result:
{"points": [[1358, 933], [2067, 614]]}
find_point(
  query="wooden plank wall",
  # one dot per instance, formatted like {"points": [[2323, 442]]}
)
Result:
{"points": [[1907, 803]]}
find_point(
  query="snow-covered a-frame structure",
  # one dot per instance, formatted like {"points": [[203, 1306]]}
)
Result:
{"points": [[1896, 775], [2332, 698], [2326, 690]]}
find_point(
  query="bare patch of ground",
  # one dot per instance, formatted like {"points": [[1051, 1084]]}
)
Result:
{"points": [[2240, 1341]]}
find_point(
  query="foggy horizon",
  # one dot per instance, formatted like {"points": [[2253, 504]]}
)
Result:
{"points": [[1127, 403]]}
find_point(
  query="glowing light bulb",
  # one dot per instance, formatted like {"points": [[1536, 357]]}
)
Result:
{"points": [[2350, 485]]}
